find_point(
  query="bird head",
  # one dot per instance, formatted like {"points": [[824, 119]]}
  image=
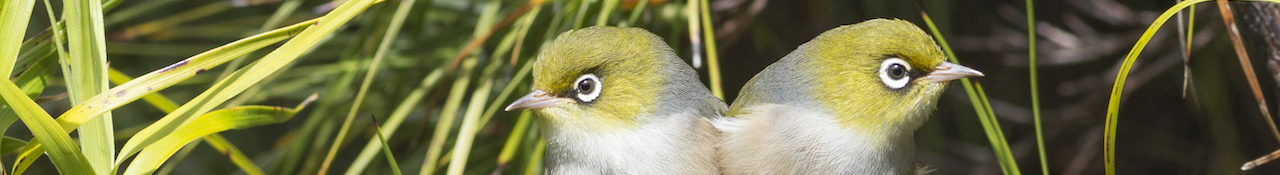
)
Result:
{"points": [[871, 76], [602, 78]]}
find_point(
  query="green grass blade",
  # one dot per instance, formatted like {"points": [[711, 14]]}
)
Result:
{"points": [[606, 9], [14, 15], [213, 122], [1006, 151], [277, 17], [33, 150], [159, 101], [634, 19], [136, 10], [243, 79], [445, 124], [11, 144], [397, 117], [524, 33], [28, 156], [450, 110], [466, 134], [226, 148], [181, 154], [520, 74], [391, 158], [535, 163], [33, 51], [32, 82], [65, 154], [155, 99], [977, 97], [1113, 105], [309, 142], [713, 57], [176, 19], [388, 37], [317, 132], [175, 73], [40, 45], [165, 77], [513, 141], [1035, 86], [583, 7], [87, 77]]}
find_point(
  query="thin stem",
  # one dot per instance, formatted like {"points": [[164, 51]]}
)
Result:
{"points": [[713, 59], [1035, 88]]}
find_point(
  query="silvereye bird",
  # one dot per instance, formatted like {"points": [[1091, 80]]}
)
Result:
{"points": [[619, 101], [847, 102]]}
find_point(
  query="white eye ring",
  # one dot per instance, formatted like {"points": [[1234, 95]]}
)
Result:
{"points": [[893, 72], [588, 87]]}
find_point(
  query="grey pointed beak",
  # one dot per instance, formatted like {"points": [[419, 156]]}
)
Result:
{"points": [[948, 71], [537, 99]]}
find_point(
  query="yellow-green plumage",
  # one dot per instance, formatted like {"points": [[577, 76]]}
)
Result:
{"points": [[651, 115], [618, 53], [828, 108]]}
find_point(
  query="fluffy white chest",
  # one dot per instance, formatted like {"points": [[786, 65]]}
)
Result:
{"points": [[676, 144], [779, 139]]}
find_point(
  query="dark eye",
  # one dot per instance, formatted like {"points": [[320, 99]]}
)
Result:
{"points": [[893, 72], [588, 87], [896, 71]]}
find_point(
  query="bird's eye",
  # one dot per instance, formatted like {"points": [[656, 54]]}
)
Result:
{"points": [[893, 72], [588, 87]]}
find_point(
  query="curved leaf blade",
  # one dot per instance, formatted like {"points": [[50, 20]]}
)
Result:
{"points": [[213, 122], [241, 80], [65, 153]]}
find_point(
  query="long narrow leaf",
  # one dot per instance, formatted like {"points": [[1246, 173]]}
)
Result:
{"points": [[1113, 105], [14, 15], [513, 141], [163, 78], [1035, 86], [990, 126], [713, 56], [445, 124], [388, 37], [213, 122], [166, 105], [451, 106], [65, 154], [466, 134], [87, 77], [32, 82], [174, 73], [11, 144], [506, 45], [240, 80]]}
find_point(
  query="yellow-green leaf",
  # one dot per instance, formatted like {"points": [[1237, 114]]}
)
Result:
{"points": [[213, 122], [14, 15], [11, 144], [85, 70], [160, 79], [240, 80], [65, 153]]}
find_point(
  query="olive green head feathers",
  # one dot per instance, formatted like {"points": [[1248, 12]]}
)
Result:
{"points": [[610, 77], [872, 75]]}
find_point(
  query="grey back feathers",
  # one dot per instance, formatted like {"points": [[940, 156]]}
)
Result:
{"points": [[783, 82]]}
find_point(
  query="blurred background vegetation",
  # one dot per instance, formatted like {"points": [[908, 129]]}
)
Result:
{"points": [[1212, 129]]}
